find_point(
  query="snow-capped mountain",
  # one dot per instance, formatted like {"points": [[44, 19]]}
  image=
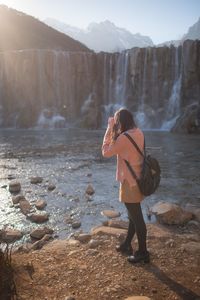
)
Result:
{"points": [[192, 34], [104, 36]]}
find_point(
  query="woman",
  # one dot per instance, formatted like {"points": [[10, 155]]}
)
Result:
{"points": [[116, 143]]}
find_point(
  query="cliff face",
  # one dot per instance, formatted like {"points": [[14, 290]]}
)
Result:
{"points": [[45, 86]]}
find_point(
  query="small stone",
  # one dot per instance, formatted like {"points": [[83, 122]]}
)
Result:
{"points": [[89, 175], [39, 244], [14, 186], [118, 224], [83, 237], [90, 190], [92, 252], [4, 186], [25, 206], [110, 213], [94, 244], [105, 230], [51, 187], [137, 298], [194, 223], [38, 218], [76, 225], [10, 235], [70, 298], [11, 177], [40, 204], [170, 243], [39, 233], [36, 180], [17, 199]]}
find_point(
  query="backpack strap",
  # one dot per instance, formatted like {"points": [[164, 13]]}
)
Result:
{"points": [[134, 144], [131, 170]]}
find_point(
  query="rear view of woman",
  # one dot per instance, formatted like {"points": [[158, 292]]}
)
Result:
{"points": [[115, 142]]}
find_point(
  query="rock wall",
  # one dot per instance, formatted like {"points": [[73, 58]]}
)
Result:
{"points": [[51, 88]]}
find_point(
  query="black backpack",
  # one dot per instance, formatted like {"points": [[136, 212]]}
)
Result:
{"points": [[150, 174]]}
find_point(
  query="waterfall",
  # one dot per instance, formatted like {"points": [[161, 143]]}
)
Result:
{"points": [[140, 116], [115, 83], [40, 86], [173, 105]]}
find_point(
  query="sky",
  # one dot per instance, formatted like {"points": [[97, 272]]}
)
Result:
{"points": [[162, 20]]}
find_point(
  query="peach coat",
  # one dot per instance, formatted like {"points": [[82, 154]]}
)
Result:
{"points": [[124, 150]]}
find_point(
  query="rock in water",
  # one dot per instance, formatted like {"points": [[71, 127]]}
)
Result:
{"points": [[14, 186], [25, 206], [169, 213], [40, 232], [110, 213], [38, 218], [90, 190], [40, 204], [39, 244], [51, 187], [36, 180], [10, 235], [17, 199]]}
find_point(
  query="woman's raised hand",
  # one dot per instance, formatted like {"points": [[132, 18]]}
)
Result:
{"points": [[111, 122]]}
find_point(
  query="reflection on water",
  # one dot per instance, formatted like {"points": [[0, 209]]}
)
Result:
{"points": [[71, 159]]}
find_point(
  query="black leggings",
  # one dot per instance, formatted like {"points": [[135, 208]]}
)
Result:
{"points": [[136, 224]]}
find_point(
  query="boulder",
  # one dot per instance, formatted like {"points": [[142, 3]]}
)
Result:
{"points": [[38, 218], [25, 206], [189, 120], [14, 186], [110, 213], [40, 232], [10, 235], [169, 213], [40, 204], [36, 180]]}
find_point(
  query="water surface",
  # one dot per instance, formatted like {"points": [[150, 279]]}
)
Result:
{"points": [[71, 159]]}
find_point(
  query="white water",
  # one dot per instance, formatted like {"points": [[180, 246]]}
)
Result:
{"points": [[115, 85], [50, 120], [173, 106]]}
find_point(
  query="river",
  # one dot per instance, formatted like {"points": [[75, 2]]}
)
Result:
{"points": [[71, 159]]}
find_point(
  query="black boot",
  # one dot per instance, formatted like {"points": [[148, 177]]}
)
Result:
{"points": [[139, 257], [124, 249]]}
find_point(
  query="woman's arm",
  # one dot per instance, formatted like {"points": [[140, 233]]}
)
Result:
{"points": [[109, 147]]}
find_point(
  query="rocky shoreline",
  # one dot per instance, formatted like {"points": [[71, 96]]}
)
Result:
{"points": [[87, 266]]}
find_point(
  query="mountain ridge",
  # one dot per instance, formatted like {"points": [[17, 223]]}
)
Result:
{"points": [[104, 36], [20, 31]]}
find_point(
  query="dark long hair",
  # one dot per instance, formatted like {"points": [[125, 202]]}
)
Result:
{"points": [[123, 122]]}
